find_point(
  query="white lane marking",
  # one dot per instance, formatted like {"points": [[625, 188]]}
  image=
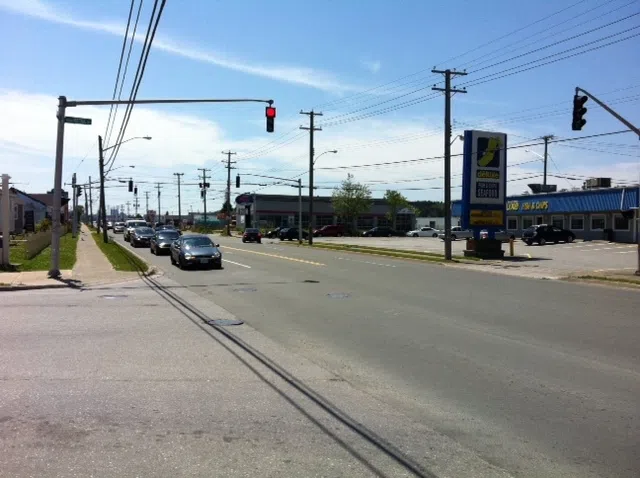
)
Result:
{"points": [[366, 262], [625, 252], [236, 263]]}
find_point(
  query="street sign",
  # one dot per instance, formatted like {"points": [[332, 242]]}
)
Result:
{"points": [[484, 180], [75, 120]]}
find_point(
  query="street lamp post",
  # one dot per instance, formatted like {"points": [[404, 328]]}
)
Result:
{"points": [[101, 151], [311, 188]]}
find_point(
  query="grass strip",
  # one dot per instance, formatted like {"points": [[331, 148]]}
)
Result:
{"points": [[120, 258], [42, 261], [620, 280]]}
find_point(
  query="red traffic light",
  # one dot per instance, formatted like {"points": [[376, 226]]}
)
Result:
{"points": [[270, 112]]}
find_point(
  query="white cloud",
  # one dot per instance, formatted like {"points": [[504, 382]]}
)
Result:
{"points": [[299, 75], [183, 143], [372, 66]]}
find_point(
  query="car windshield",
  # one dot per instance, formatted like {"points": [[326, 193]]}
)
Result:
{"points": [[252, 231], [198, 242], [144, 230], [168, 235], [137, 224]]}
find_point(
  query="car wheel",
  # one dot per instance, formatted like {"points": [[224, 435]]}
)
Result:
{"points": [[339, 234], [151, 250], [542, 241], [453, 237], [180, 263], [243, 241], [435, 235], [415, 235], [570, 239], [528, 242], [259, 242], [173, 261]]}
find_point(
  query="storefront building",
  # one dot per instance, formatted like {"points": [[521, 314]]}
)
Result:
{"points": [[592, 214], [274, 210]]}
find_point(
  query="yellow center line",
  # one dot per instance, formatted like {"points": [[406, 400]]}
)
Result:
{"points": [[277, 256]]}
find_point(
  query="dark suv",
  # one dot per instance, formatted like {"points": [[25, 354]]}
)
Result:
{"points": [[544, 233], [291, 233], [336, 230], [381, 232]]}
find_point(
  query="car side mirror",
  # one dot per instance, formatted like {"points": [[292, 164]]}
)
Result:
{"points": [[176, 244], [217, 245]]}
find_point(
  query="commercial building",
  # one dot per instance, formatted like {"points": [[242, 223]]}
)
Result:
{"points": [[592, 214], [274, 210]]}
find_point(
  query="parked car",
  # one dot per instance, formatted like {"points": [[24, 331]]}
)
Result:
{"points": [[381, 232], [161, 241], [424, 232], [500, 235], [291, 233], [544, 233], [118, 228], [141, 236], [458, 233], [273, 233], [334, 230], [193, 250], [109, 225], [252, 234], [130, 225]]}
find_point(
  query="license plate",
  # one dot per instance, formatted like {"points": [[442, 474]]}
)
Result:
{"points": [[204, 261]]}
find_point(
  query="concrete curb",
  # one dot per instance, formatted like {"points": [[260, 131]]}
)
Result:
{"points": [[154, 271], [17, 287]]}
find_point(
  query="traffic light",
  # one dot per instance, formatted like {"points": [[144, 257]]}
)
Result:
{"points": [[578, 112], [237, 180], [202, 194], [200, 185], [79, 191], [135, 190], [207, 185], [270, 113], [130, 186]]}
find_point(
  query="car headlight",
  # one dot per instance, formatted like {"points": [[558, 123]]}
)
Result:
{"points": [[217, 254], [187, 255]]}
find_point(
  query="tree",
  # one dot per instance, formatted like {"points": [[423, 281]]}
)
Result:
{"points": [[227, 209], [396, 201], [79, 212], [351, 199]]}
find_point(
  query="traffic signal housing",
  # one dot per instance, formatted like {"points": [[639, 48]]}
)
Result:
{"points": [[237, 180], [270, 113], [130, 186], [135, 190], [578, 112], [79, 191]]}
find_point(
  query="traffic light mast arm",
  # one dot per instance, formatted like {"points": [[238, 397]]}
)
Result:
{"points": [[616, 115]]}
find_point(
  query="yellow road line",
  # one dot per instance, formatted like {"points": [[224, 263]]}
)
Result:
{"points": [[277, 256]]}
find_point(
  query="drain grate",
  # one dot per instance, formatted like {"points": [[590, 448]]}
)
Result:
{"points": [[225, 322], [112, 297], [311, 281], [245, 289], [338, 295]]}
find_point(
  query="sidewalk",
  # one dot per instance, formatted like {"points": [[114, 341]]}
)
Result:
{"points": [[34, 280], [92, 267]]}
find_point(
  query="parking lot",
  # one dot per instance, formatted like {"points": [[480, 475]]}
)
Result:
{"points": [[551, 260]]}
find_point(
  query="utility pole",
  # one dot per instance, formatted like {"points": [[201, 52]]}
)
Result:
{"points": [[311, 114], [448, 74], [128, 203], [103, 207], [74, 202], [146, 195], [159, 215], [179, 175], [546, 139], [227, 203], [203, 192], [136, 203], [86, 202], [90, 204]]}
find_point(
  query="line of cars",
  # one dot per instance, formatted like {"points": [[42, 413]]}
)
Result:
{"points": [[184, 250]]}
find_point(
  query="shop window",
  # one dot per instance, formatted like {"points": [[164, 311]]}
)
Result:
{"points": [[577, 223], [512, 223], [620, 223], [539, 220], [557, 221], [527, 222], [597, 222]]}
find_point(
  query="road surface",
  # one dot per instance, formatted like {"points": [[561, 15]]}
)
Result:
{"points": [[539, 377]]}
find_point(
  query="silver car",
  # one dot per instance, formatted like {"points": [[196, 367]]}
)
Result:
{"points": [[458, 233]]}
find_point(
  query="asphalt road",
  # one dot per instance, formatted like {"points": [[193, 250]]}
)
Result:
{"points": [[541, 378]]}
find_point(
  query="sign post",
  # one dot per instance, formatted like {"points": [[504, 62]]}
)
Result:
{"points": [[484, 185]]}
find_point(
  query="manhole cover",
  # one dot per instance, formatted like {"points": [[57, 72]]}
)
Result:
{"points": [[245, 289], [112, 297], [310, 281], [338, 295], [225, 322]]}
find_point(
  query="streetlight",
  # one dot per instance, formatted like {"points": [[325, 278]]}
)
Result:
{"points": [[120, 167], [311, 188], [103, 207], [460, 137]]}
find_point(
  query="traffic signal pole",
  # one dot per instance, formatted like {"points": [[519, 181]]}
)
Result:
{"points": [[448, 74], [228, 201], [179, 175], [103, 207], [74, 220], [633, 128]]}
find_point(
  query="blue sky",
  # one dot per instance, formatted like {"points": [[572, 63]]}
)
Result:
{"points": [[330, 55]]}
